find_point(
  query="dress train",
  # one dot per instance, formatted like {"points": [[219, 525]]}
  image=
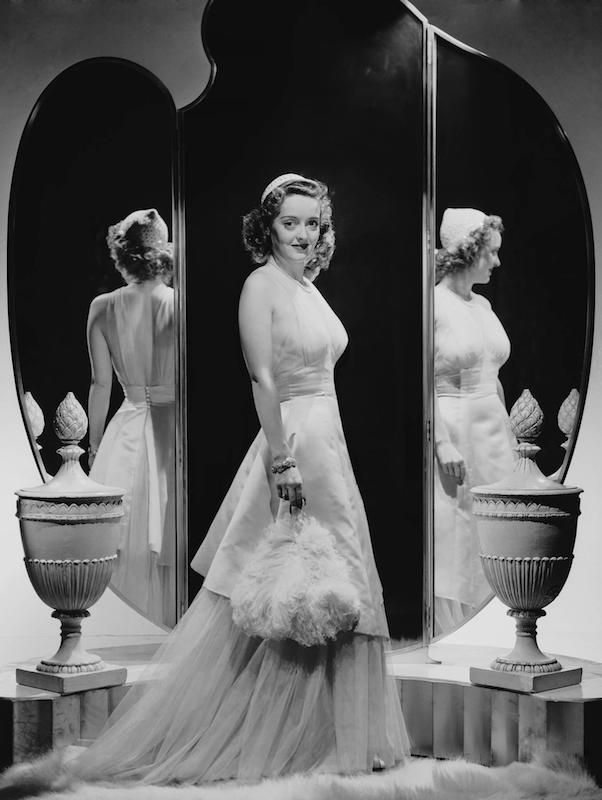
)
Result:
{"points": [[216, 704]]}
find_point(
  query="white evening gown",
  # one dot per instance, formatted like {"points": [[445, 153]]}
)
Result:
{"points": [[137, 451], [470, 347], [226, 705]]}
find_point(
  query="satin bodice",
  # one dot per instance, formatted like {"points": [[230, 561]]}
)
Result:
{"points": [[470, 344], [307, 337]]}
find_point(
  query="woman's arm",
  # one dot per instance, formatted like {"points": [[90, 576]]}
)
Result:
{"points": [[450, 459], [500, 392], [448, 456], [101, 377], [255, 324]]}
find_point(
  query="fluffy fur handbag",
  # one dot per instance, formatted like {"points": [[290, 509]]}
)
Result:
{"points": [[296, 586]]}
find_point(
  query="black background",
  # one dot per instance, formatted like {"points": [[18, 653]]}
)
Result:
{"points": [[333, 90]]}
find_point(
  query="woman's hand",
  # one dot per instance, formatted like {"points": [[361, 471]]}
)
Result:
{"points": [[451, 461], [289, 486]]}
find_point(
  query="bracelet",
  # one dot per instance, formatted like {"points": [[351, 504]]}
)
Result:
{"points": [[92, 452], [282, 466]]}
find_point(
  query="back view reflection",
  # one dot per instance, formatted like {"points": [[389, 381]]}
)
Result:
{"points": [[131, 331]]}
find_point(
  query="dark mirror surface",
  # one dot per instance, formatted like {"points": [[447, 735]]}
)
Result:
{"points": [[345, 105], [98, 145], [500, 149]]}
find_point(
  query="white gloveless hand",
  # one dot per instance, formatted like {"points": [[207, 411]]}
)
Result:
{"points": [[289, 486], [451, 461]]}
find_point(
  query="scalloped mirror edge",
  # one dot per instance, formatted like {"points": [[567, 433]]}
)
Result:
{"points": [[171, 198]]}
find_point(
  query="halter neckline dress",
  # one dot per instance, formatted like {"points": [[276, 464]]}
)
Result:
{"points": [[226, 705]]}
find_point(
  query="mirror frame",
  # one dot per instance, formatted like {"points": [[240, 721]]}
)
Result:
{"points": [[434, 34], [179, 316]]}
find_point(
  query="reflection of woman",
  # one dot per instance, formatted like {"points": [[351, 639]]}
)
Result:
{"points": [[131, 332], [226, 705], [473, 442]]}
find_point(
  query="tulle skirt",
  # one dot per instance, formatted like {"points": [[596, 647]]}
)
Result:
{"points": [[216, 704]]}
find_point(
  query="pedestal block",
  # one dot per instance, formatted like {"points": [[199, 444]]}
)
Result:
{"points": [[33, 722], [69, 684], [525, 681], [447, 716]]}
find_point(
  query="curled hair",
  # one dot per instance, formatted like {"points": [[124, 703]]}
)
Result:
{"points": [[141, 262], [463, 256], [257, 224]]}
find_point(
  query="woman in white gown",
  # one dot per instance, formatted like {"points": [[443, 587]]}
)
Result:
{"points": [[225, 705], [473, 440], [131, 332]]}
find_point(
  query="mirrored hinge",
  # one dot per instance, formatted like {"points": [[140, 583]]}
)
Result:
{"points": [[429, 50]]}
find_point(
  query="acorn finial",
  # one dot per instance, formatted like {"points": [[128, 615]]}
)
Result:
{"points": [[526, 417], [70, 421], [34, 414], [568, 412]]}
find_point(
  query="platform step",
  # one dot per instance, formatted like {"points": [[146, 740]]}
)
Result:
{"points": [[32, 725], [453, 719]]}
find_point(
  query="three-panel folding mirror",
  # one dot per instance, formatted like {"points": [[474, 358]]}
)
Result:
{"points": [[400, 122]]}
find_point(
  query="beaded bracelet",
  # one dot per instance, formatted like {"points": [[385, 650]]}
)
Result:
{"points": [[282, 466]]}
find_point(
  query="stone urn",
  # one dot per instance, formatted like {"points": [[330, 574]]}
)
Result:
{"points": [[70, 529], [527, 525]]}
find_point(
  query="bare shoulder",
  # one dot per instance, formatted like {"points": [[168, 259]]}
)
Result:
{"points": [[259, 279], [163, 294], [259, 285], [98, 306]]}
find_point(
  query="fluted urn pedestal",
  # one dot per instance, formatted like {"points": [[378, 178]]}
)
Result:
{"points": [[527, 525], [70, 532]]}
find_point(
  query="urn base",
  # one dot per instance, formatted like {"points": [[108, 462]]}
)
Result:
{"points": [[63, 683], [541, 666], [527, 682]]}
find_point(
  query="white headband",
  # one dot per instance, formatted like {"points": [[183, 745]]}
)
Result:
{"points": [[457, 224], [286, 178]]}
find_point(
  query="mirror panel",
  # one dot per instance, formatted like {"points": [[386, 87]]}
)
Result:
{"points": [[99, 144], [350, 112], [500, 149]]}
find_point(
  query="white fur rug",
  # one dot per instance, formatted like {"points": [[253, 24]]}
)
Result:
{"points": [[553, 778]]}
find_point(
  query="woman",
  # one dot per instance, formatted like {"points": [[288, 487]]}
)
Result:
{"points": [[473, 441], [225, 705], [130, 331]]}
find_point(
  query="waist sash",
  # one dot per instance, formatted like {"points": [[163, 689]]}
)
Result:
{"points": [[150, 395]]}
